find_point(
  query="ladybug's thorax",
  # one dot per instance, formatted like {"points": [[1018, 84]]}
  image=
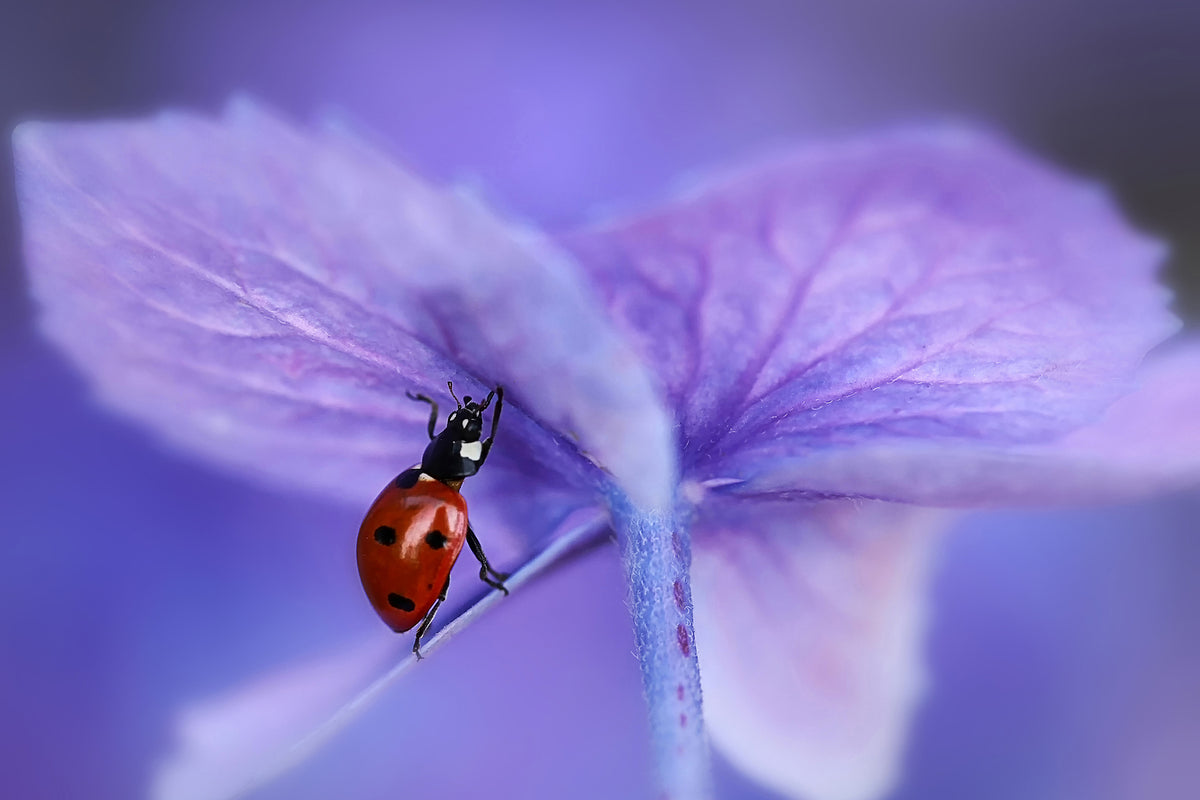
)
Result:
{"points": [[457, 452]]}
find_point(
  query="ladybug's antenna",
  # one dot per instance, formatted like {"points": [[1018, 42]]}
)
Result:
{"points": [[450, 385], [487, 401]]}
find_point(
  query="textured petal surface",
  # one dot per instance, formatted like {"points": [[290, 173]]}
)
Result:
{"points": [[811, 630], [265, 296], [918, 286], [1146, 442]]}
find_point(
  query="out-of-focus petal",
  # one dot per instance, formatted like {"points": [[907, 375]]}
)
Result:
{"points": [[1147, 442], [811, 637], [231, 744], [919, 286], [265, 296]]}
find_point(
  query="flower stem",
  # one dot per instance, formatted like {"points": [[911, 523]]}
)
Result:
{"points": [[656, 549]]}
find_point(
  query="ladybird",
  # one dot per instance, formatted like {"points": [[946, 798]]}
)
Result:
{"points": [[415, 529]]}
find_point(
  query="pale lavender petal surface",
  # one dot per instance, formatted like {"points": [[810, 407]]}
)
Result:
{"points": [[1146, 442], [919, 287], [265, 296], [811, 617], [226, 743]]}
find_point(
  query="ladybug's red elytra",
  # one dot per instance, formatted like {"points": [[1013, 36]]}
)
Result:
{"points": [[416, 527]]}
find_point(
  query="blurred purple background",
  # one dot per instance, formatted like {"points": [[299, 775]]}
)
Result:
{"points": [[1065, 647]]}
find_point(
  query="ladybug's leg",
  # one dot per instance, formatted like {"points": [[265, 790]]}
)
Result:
{"points": [[425, 623], [433, 415], [485, 569], [487, 443]]}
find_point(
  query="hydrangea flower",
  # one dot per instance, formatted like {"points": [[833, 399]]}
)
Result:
{"points": [[766, 390]]}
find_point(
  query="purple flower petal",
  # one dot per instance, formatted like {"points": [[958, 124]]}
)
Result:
{"points": [[231, 743], [1147, 442], [811, 618], [914, 287], [265, 296]]}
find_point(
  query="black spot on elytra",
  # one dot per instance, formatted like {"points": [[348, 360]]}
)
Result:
{"points": [[401, 602], [385, 535], [408, 478], [435, 539]]}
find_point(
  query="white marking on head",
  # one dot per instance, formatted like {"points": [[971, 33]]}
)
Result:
{"points": [[465, 422], [472, 451], [425, 476]]}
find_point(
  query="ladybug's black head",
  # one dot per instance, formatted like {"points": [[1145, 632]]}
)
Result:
{"points": [[457, 451], [466, 422]]}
